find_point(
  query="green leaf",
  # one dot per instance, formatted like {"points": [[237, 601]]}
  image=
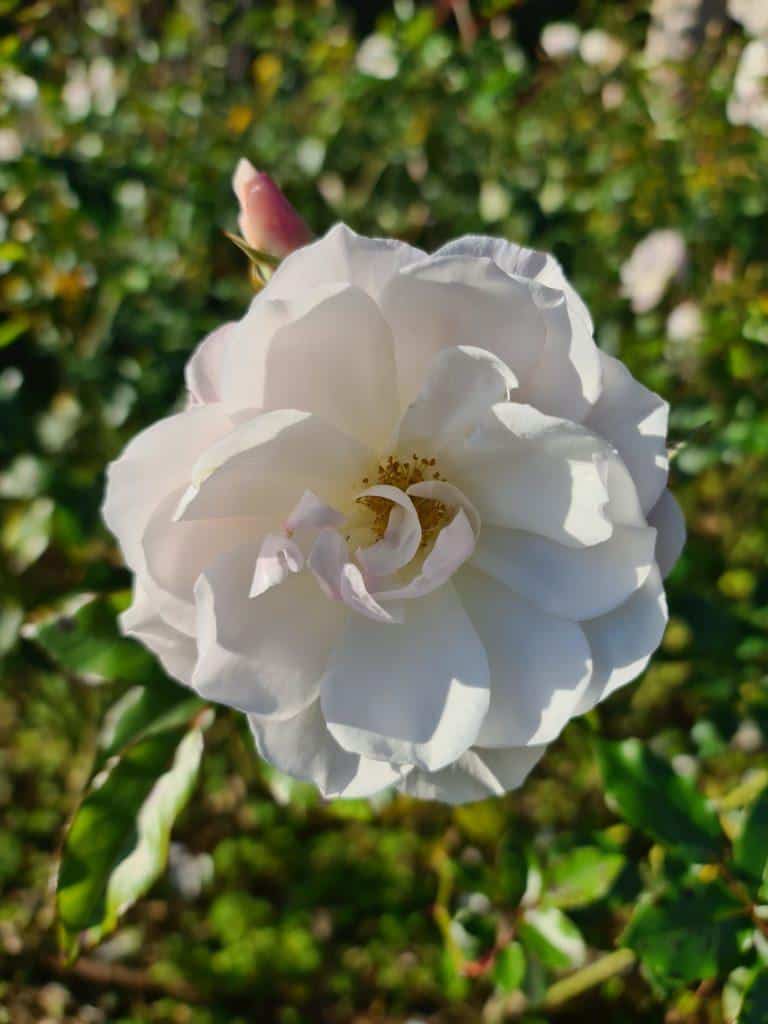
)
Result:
{"points": [[687, 936], [554, 938], [142, 711], [754, 1008], [84, 639], [654, 798], [750, 850], [581, 876], [117, 844], [509, 967]]}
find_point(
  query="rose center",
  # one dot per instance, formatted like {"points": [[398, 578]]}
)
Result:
{"points": [[402, 473]]}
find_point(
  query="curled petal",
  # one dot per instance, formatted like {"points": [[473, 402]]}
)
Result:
{"points": [[668, 519], [448, 494], [203, 371], [341, 580], [310, 511], [454, 545], [478, 774], [401, 539]]}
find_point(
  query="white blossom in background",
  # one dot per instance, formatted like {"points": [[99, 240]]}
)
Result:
{"points": [[601, 50], [678, 28], [684, 322], [652, 265], [752, 14], [377, 57], [411, 522], [748, 103], [560, 39]]}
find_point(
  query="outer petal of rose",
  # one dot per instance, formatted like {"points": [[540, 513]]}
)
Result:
{"points": [[540, 665], [327, 350], [668, 519], [266, 463], [450, 301], [154, 463], [414, 693], [278, 557], [203, 371], [570, 339], [623, 641], [534, 472], [175, 553], [574, 583], [516, 259], [633, 419], [477, 774], [342, 255], [176, 652], [341, 580], [264, 656], [302, 746], [454, 544], [461, 385], [401, 539]]}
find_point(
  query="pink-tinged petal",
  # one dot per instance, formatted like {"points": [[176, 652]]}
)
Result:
{"points": [[446, 301], [154, 463], [341, 580], [203, 371], [302, 747], [175, 651], [278, 557], [552, 576], [462, 384], [325, 350], [478, 774], [265, 464], [343, 256], [267, 220], [634, 420], [623, 641], [540, 665], [264, 656], [401, 539], [311, 512], [454, 545], [669, 521], [529, 471], [414, 693]]}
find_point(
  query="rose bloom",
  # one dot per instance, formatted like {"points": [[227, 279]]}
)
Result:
{"points": [[411, 521]]}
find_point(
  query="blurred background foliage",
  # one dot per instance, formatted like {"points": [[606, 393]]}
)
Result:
{"points": [[625, 880]]}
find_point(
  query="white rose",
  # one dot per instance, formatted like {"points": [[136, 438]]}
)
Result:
{"points": [[412, 521]]}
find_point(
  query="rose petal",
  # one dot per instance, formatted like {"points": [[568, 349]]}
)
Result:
{"points": [[401, 539], [278, 557], [633, 419], [462, 384], [453, 301], [265, 464], [574, 583], [454, 545], [623, 641], [341, 580], [327, 351], [478, 774], [669, 521], [266, 655], [176, 652], [533, 472], [302, 747], [203, 371], [414, 693], [540, 665]]}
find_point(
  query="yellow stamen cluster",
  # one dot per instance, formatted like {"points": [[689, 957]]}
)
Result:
{"points": [[401, 473]]}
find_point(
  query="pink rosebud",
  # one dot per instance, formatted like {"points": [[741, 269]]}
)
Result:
{"points": [[267, 220]]}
